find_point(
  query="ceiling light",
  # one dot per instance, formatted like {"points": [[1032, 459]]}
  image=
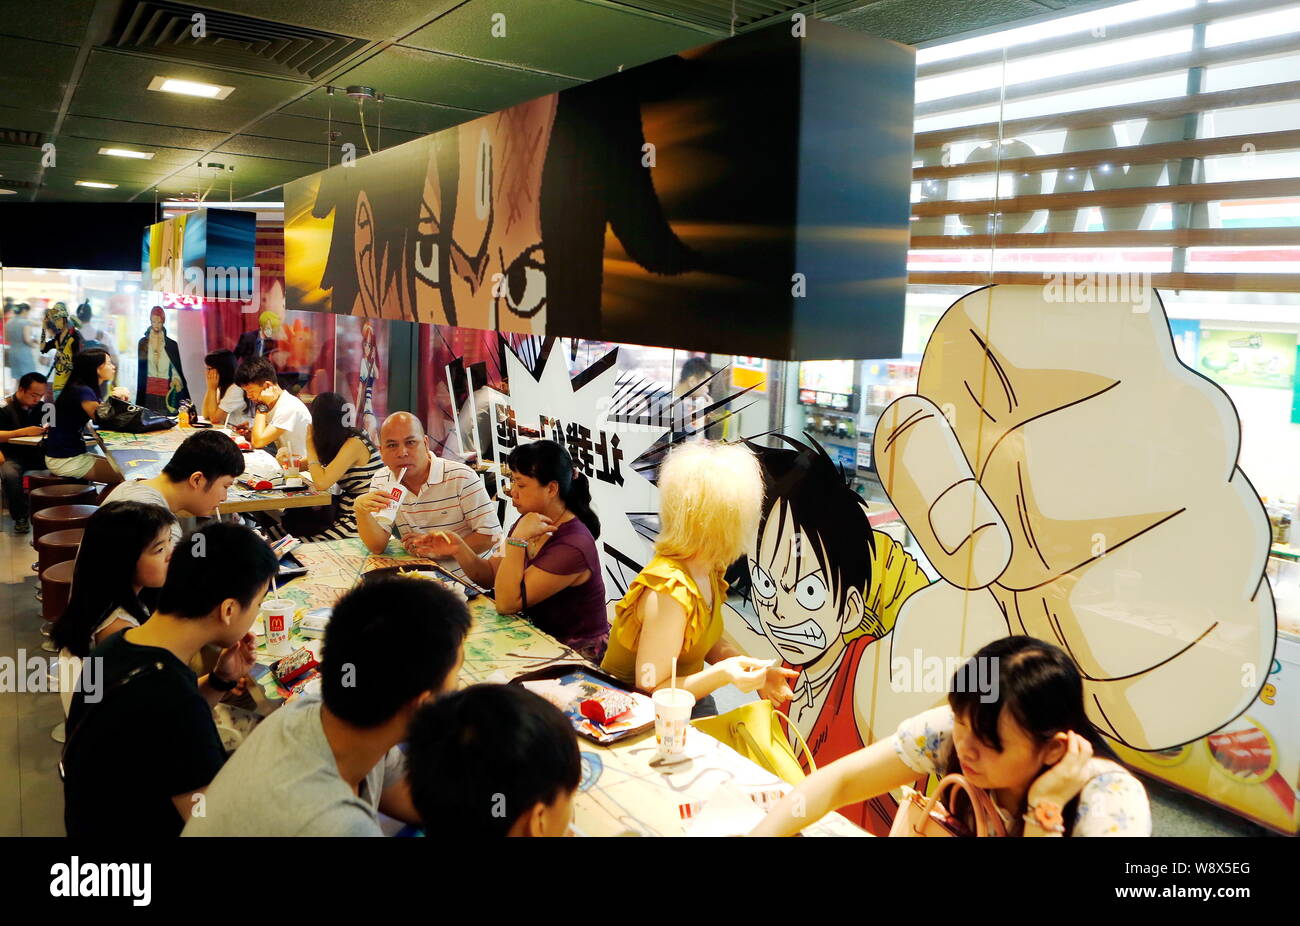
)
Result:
{"points": [[97, 185], [194, 204], [190, 88], [127, 153], [7, 192]]}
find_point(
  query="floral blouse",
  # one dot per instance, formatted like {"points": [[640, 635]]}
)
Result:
{"points": [[1112, 803]]}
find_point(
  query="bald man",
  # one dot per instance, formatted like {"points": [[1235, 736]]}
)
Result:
{"points": [[445, 496]]}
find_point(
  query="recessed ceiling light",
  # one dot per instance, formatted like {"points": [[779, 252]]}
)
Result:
{"points": [[127, 153], [97, 185], [190, 88]]}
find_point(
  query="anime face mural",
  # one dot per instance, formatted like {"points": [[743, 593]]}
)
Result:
{"points": [[454, 228]]}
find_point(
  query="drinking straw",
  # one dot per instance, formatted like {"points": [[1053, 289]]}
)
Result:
{"points": [[674, 671]]}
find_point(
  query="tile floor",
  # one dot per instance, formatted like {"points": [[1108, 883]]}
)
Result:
{"points": [[31, 796]]}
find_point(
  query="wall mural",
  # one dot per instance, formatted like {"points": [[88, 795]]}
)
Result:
{"points": [[1068, 478], [714, 182]]}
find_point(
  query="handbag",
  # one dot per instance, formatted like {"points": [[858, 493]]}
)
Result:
{"points": [[921, 816], [131, 419], [754, 730]]}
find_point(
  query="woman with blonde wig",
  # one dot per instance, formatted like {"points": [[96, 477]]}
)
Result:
{"points": [[710, 495]]}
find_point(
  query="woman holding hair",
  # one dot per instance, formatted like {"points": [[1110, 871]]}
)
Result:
{"points": [[224, 402], [122, 558], [709, 500], [1032, 749], [338, 455], [79, 402], [549, 566]]}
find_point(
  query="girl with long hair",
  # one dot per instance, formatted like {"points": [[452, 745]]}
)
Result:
{"points": [[1021, 734], [79, 402], [548, 567], [710, 495], [122, 559], [340, 457], [224, 402]]}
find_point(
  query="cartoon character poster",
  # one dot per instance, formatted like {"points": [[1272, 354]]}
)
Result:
{"points": [[699, 183], [1066, 477]]}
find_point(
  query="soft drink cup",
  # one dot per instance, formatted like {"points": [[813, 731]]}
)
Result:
{"points": [[396, 497], [277, 614], [672, 717]]}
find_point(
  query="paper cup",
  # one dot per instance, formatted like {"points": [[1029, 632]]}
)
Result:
{"points": [[672, 717], [396, 497], [277, 614]]}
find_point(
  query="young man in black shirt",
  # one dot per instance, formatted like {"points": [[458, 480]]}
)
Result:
{"points": [[141, 744], [21, 416]]}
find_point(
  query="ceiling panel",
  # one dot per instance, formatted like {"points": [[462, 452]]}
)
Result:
{"points": [[459, 82], [63, 21], [384, 20], [115, 86], [141, 133], [35, 74], [545, 36], [405, 115]]}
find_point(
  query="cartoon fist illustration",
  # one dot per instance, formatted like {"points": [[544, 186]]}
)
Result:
{"points": [[1071, 480]]}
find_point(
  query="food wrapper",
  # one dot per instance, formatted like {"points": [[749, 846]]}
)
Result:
{"points": [[291, 667], [606, 707]]}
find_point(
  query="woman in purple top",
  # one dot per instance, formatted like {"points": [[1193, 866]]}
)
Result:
{"points": [[548, 567]]}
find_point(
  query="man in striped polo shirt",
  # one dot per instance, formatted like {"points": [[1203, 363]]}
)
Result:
{"points": [[444, 496]]}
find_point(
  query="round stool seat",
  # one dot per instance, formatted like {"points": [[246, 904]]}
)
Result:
{"points": [[60, 518], [56, 587], [41, 478], [57, 546], [70, 494]]}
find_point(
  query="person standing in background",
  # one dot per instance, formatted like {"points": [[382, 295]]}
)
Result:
{"points": [[65, 341], [20, 337], [160, 382], [94, 334]]}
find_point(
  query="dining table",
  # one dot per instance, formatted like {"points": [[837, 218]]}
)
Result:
{"points": [[621, 792]]}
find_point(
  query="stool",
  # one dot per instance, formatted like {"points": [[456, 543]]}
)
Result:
{"points": [[70, 494], [41, 478], [56, 589], [57, 546], [60, 518]]}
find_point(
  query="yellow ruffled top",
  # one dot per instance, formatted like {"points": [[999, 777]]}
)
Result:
{"points": [[703, 626]]}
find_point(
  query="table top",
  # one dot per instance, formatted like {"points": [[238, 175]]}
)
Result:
{"points": [[620, 792], [143, 456]]}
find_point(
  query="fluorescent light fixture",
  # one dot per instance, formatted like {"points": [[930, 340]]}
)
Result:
{"points": [[5, 191], [97, 185], [127, 153], [190, 88]]}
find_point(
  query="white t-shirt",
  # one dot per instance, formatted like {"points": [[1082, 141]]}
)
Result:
{"points": [[137, 490], [291, 416], [235, 405], [119, 614]]}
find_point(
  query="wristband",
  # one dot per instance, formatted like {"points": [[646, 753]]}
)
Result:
{"points": [[516, 542], [217, 683]]}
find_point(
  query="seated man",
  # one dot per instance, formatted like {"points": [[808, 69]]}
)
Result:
{"points": [[21, 416], [194, 481], [281, 419], [493, 760], [444, 496], [325, 765], [141, 744]]}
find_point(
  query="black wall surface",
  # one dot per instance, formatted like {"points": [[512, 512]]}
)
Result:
{"points": [[74, 236]]}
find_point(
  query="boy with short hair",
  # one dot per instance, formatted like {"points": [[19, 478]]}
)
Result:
{"points": [[194, 481], [493, 760], [282, 419], [327, 765], [141, 743]]}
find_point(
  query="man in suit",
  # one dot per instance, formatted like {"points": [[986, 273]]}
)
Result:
{"points": [[258, 343]]}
